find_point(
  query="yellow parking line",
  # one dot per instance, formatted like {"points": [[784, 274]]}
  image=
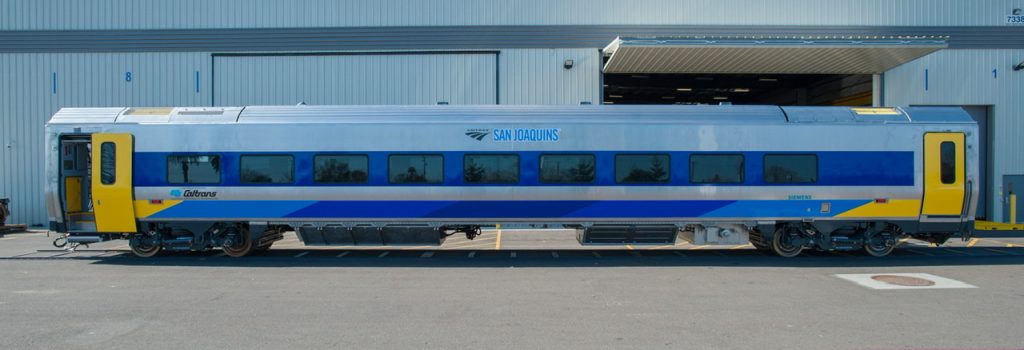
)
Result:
{"points": [[497, 243], [695, 247], [972, 242], [629, 246], [664, 246], [748, 245]]}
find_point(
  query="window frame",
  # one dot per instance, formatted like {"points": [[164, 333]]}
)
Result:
{"points": [[240, 167], [220, 173], [519, 165], [112, 160], [764, 168], [942, 160], [540, 168], [364, 155], [668, 168], [391, 180], [743, 168]]}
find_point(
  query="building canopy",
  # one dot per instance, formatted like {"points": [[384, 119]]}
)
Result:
{"points": [[769, 55]]}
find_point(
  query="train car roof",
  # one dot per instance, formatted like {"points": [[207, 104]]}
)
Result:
{"points": [[700, 114]]}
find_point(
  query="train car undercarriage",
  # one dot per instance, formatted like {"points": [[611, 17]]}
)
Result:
{"points": [[786, 239]]}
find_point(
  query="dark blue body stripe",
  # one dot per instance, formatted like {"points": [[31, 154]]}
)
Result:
{"points": [[560, 209], [835, 168]]}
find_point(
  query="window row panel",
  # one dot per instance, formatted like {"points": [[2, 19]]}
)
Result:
{"points": [[492, 169]]}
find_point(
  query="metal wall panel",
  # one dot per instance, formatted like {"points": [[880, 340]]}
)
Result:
{"points": [[373, 79], [464, 37], [34, 86], [154, 14], [538, 76], [971, 77]]}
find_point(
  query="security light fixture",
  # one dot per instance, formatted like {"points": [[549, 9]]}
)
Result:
{"points": [[741, 90], [568, 64], [721, 98], [684, 89], [1016, 12]]}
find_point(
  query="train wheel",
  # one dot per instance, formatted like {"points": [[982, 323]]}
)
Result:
{"points": [[239, 244], [144, 247], [786, 242], [879, 243]]}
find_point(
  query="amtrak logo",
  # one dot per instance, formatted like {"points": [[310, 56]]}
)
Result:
{"points": [[478, 134], [178, 193]]}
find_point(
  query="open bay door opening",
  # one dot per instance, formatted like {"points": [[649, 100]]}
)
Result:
{"points": [[756, 70]]}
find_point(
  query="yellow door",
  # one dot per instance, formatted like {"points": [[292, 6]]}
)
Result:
{"points": [[943, 174], [112, 182]]}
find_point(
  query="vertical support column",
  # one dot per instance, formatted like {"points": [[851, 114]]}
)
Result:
{"points": [[877, 90]]}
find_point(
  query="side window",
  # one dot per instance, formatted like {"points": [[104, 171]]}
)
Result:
{"points": [[642, 168], [947, 155], [416, 168], [716, 168], [340, 168], [193, 169], [490, 168], [574, 168], [790, 168], [108, 163], [267, 169]]}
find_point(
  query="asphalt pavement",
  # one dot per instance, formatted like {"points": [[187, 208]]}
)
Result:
{"points": [[525, 289]]}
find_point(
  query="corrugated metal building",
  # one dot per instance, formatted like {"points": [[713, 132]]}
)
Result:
{"points": [[56, 53]]}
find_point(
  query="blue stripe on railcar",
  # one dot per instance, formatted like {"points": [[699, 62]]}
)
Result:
{"points": [[561, 209], [835, 168]]}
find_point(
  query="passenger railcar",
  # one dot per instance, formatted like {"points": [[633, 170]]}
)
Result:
{"points": [[783, 178]]}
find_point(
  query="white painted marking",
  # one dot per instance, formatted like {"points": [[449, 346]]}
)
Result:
{"points": [[344, 253], [513, 255], [383, 254], [864, 279], [596, 254], [427, 254], [301, 254], [554, 255], [220, 255], [471, 255], [679, 253]]}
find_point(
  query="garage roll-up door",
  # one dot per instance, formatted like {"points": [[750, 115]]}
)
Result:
{"points": [[765, 55], [356, 78]]}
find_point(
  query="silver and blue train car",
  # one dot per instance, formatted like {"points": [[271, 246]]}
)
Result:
{"points": [[781, 178]]}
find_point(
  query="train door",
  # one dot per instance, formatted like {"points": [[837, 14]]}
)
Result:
{"points": [[944, 176], [112, 196], [75, 194]]}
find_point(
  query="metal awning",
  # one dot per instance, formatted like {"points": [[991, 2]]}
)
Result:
{"points": [[766, 55]]}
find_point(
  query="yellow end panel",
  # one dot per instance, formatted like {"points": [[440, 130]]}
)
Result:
{"points": [[145, 208], [112, 202], [940, 198], [73, 194], [902, 208]]}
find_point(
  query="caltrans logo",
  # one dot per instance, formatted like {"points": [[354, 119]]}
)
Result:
{"points": [[178, 193]]}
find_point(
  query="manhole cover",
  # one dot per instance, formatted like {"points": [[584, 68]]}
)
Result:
{"points": [[906, 281]]}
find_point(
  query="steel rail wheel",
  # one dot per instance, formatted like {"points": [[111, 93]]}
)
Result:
{"points": [[785, 242], [144, 247], [240, 244]]}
